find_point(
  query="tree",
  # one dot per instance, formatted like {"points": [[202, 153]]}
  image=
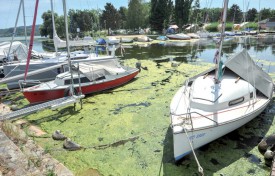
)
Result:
{"points": [[195, 14], [235, 14], [213, 14], [60, 26], [46, 29], [123, 17], [169, 14], [146, 8], [251, 15], [110, 17], [161, 11], [134, 16], [182, 10], [265, 13]]}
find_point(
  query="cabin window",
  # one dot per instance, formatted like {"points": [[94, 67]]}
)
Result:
{"points": [[236, 101], [82, 80], [100, 78]]}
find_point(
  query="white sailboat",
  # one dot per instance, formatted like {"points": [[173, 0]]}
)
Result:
{"points": [[218, 101]]}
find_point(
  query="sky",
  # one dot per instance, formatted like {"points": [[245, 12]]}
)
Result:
{"points": [[9, 8]]}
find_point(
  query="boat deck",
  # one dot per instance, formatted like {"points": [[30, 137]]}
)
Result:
{"points": [[203, 119]]}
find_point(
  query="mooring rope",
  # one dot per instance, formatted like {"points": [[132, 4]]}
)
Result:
{"points": [[200, 169]]}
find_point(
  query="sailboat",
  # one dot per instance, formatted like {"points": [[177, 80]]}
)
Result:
{"points": [[84, 77], [218, 101], [87, 78]]}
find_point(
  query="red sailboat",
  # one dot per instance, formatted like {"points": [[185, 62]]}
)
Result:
{"points": [[86, 78]]}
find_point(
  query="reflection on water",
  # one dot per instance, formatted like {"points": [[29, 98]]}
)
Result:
{"points": [[204, 49], [262, 50]]}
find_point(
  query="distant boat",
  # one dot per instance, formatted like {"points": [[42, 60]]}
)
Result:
{"points": [[204, 34], [126, 40], [229, 33], [113, 40], [249, 32], [162, 38], [101, 41], [94, 77], [226, 39], [193, 35], [144, 39], [86, 41], [179, 36]]}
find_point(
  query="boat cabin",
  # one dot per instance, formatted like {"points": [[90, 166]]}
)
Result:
{"points": [[94, 75], [230, 92]]}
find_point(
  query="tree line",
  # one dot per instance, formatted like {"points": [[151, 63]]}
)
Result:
{"points": [[156, 15]]}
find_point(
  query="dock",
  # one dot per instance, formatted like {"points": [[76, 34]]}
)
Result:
{"points": [[54, 104]]}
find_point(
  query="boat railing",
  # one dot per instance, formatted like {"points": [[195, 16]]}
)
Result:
{"points": [[23, 83], [188, 116], [186, 85]]}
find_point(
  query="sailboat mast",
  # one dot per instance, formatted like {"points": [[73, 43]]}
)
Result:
{"points": [[24, 19], [67, 39], [31, 40], [14, 30], [225, 7], [53, 21]]}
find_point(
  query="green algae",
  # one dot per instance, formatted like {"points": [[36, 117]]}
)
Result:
{"points": [[125, 131]]}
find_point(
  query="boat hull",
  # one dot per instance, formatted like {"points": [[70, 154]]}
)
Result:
{"points": [[34, 96], [178, 37], [204, 136]]}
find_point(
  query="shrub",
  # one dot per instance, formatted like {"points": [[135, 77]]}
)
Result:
{"points": [[213, 27]]}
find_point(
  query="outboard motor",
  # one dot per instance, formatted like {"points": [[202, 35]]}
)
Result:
{"points": [[138, 66]]}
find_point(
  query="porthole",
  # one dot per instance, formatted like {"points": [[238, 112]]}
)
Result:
{"points": [[236, 101]]}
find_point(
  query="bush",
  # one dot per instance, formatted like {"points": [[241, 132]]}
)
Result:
{"points": [[228, 26], [213, 27], [250, 26]]}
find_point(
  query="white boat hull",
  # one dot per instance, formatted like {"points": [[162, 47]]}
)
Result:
{"points": [[204, 136]]}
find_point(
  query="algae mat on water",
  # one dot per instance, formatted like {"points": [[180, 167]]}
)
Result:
{"points": [[125, 131]]}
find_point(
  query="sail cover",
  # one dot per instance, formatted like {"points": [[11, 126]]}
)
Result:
{"points": [[244, 66], [18, 50], [62, 44]]}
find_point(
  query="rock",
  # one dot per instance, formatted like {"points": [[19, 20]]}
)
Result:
{"points": [[36, 131], [268, 157], [175, 64], [14, 108], [70, 145], [57, 135], [269, 154], [28, 159], [21, 123], [262, 147]]}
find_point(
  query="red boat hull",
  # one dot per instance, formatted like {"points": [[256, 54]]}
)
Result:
{"points": [[51, 94]]}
